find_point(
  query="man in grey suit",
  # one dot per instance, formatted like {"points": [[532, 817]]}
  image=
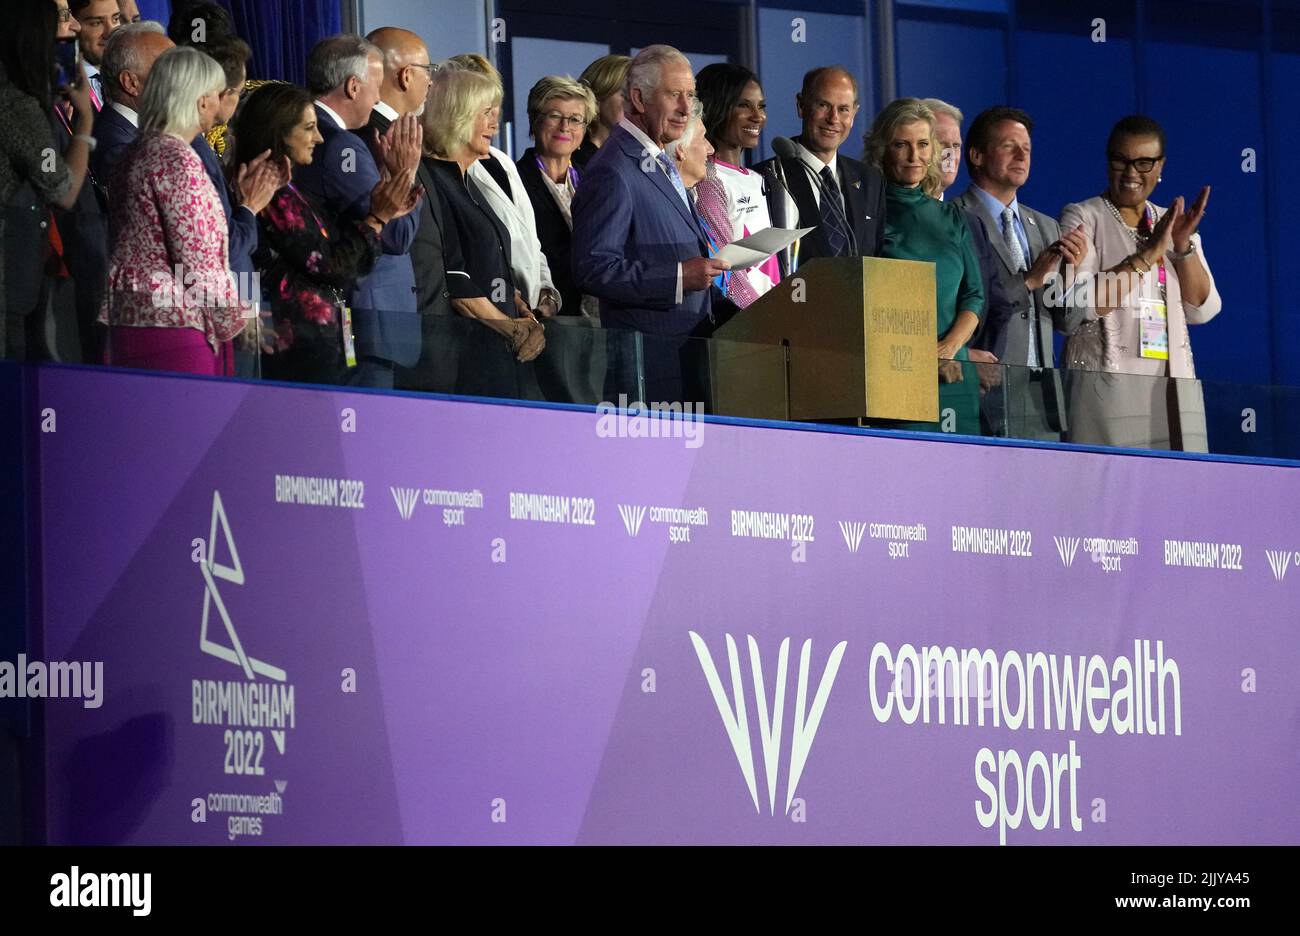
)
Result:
{"points": [[1023, 249]]}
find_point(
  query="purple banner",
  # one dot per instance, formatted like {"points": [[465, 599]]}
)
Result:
{"points": [[334, 617]]}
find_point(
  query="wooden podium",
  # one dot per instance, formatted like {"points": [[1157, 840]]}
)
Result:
{"points": [[860, 340]]}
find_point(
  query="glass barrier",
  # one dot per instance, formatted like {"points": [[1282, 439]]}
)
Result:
{"points": [[586, 365]]}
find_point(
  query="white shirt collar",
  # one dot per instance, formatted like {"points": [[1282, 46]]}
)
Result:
{"points": [[126, 112], [337, 119], [814, 163], [91, 70], [385, 110], [650, 145]]}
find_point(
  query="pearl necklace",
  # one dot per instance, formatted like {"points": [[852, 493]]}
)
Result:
{"points": [[1139, 239]]}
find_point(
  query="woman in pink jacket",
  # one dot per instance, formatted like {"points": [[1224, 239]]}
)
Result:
{"points": [[171, 303], [1144, 281]]}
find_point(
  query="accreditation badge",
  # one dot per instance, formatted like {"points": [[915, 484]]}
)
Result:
{"points": [[349, 343], [1155, 329]]}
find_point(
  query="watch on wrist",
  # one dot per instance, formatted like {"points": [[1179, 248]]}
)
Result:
{"points": [[1176, 255]]}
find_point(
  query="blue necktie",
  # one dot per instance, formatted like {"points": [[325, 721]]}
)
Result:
{"points": [[1012, 241], [674, 178], [832, 226]]}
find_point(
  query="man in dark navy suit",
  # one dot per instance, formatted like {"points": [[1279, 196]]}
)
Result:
{"points": [[408, 75], [128, 59], [638, 244], [828, 104], [254, 184], [345, 73]]}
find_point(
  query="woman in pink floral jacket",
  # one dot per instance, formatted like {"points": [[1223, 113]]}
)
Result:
{"points": [[171, 302]]}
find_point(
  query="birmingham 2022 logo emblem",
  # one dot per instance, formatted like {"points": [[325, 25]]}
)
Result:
{"points": [[735, 718], [237, 704]]}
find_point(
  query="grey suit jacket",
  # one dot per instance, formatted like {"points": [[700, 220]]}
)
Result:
{"points": [[1005, 328]]}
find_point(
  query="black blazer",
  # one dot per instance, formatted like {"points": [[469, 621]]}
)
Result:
{"points": [[553, 231], [863, 188], [114, 135], [440, 269], [484, 240]]}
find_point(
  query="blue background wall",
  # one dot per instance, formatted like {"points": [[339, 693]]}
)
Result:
{"points": [[1222, 76]]}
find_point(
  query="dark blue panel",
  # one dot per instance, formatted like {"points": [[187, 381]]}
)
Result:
{"points": [[961, 64], [160, 10], [1284, 139], [1208, 101], [830, 38], [1070, 127]]}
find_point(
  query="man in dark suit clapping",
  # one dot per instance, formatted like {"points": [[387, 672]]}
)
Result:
{"points": [[344, 74]]}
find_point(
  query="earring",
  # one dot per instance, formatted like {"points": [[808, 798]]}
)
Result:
{"points": [[1159, 179]]}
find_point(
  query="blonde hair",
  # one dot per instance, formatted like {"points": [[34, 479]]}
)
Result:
{"points": [[457, 96], [479, 63], [559, 88], [899, 113], [606, 75]]}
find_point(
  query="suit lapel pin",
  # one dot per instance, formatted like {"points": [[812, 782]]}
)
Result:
{"points": [[857, 183]]}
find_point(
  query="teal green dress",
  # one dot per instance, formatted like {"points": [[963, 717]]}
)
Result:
{"points": [[918, 227]]}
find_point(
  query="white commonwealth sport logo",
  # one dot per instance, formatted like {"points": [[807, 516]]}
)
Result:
{"points": [[632, 517], [1066, 548], [1279, 560], [736, 721], [852, 533], [406, 499], [234, 574]]}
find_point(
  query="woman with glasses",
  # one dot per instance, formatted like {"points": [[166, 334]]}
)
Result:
{"points": [[1143, 283], [559, 110]]}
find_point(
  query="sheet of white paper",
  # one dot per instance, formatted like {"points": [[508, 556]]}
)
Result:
{"points": [[754, 249]]}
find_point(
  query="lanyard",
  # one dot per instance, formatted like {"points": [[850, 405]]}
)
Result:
{"points": [[573, 173]]}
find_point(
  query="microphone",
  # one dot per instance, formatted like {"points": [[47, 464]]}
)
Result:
{"points": [[774, 176], [785, 148]]}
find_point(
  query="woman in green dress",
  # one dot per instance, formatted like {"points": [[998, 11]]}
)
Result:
{"points": [[918, 226]]}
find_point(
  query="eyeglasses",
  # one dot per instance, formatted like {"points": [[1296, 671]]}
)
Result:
{"points": [[1143, 164], [555, 118], [429, 69], [64, 14]]}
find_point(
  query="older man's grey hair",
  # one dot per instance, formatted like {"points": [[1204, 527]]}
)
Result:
{"points": [[122, 53], [943, 107], [647, 69], [333, 61]]}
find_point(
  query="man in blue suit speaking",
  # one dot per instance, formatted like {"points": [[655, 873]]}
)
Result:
{"points": [[638, 244], [344, 74]]}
